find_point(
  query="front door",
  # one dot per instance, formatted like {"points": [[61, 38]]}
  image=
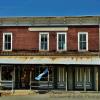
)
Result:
{"points": [[83, 78], [25, 77]]}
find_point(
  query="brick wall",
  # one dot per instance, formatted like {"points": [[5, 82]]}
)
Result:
{"points": [[24, 39], [93, 37]]}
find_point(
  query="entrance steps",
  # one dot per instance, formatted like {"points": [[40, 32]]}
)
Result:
{"points": [[23, 92], [17, 92]]}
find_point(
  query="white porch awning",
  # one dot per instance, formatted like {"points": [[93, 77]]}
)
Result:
{"points": [[95, 60]]}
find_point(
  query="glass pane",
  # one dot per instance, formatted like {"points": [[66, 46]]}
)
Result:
{"points": [[63, 45], [5, 38], [45, 37], [42, 38], [42, 45], [84, 37], [9, 38], [63, 37], [81, 46], [6, 46], [59, 46], [84, 45], [9, 46], [59, 37], [45, 46], [80, 37]]}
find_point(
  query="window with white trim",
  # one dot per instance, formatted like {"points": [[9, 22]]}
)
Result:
{"points": [[61, 41], [7, 41], [82, 41], [44, 41]]}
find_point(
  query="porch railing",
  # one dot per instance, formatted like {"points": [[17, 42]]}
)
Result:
{"points": [[41, 85], [7, 84]]}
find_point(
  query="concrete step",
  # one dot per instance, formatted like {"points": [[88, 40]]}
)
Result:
{"points": [[17, 92], [23, 92]]}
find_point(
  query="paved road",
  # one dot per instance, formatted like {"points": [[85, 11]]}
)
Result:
{"points": [[46, 97]]}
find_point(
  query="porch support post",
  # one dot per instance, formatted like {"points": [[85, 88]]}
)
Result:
{"points": [[96, 72], [0, 74], [59, 74], [84, 79], [13, 79], [48, 79], [14, 75], [30, 78], [66, 81]]}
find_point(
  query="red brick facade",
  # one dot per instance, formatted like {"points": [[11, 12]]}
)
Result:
{"points": [[93, 37], [24, 39]]}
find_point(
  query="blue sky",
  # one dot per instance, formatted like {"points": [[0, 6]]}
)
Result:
{"points": [[49, 7]]}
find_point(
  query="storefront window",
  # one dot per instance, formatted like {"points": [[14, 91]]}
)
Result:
{"points": [[45, 77], [7, 73]]}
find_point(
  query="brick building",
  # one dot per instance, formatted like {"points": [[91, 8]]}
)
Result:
{"points": [[68, 46]]}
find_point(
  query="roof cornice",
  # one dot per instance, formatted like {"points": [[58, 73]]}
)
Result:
{"points": [[50, 21]]}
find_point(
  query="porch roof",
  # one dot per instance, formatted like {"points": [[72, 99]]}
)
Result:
{"points": [[95, 60]]}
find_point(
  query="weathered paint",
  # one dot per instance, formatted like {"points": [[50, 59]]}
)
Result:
{"points": [[95, 60]]}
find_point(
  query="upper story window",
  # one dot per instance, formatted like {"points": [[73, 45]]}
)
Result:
{"points": [[44, 41], [82, 41], [61, 41], [7, 41]]}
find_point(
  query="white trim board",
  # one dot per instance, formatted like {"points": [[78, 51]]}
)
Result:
{"points": [[48, 60], [48, 29]]}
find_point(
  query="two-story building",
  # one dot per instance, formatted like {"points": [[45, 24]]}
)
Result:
{"points": [[68, 46]]}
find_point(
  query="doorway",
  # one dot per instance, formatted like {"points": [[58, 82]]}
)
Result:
{"points": [[84, 78], [22, 79]]}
